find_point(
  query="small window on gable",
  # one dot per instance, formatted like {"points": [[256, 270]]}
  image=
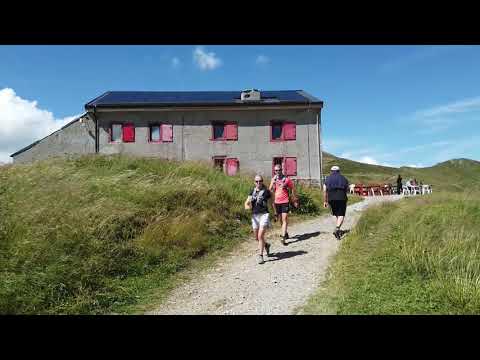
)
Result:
{"points": [[116, 133], [155, 133]]}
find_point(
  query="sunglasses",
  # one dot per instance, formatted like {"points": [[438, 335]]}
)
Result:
{"points": [[258, 181]]}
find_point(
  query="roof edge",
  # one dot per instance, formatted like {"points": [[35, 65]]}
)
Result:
{"points": [[91, 104]]}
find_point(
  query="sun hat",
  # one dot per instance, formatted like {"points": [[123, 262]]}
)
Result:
{"points": [[335, 168]]}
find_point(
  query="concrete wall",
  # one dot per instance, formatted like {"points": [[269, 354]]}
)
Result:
{"points": [[74, 139], [192, 131]]}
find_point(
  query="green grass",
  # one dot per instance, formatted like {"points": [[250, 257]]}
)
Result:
{"points": [[416, 256], [103, 234], [100, 234]]}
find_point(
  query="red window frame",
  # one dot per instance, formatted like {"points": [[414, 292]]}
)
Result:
{"points": [[225, 137], [161, 140], [283, 123]]}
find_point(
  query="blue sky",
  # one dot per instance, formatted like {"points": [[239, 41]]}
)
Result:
{"points": [[392, 105]]}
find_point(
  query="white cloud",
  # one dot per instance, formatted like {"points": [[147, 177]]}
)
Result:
{"points": [[460, 106], [262, 59], [23, 122], [206, 60], [368, 160], [175, 62], [442, 117]]}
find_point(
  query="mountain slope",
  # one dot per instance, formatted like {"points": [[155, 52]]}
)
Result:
{"points": [[451, 175]]}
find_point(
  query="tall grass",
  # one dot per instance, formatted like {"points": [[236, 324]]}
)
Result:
{"points": [[88, 235], [417, 256]]}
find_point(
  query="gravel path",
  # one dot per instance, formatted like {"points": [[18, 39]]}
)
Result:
{"points": [[238, 285]]}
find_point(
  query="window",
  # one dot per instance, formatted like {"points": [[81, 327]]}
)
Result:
{"points": [[218, 131], [277, 131], [154, 133], [229, 166], [161, 133], [122, 132], [289, 165], [219, 163], [224, 131], [283, 131], [116, 133]]}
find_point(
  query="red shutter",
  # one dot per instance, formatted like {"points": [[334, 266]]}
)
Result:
{"points": [[167, 132], [128, 132], [290, 131], [231, 131], [232, 166], [291, 166]]}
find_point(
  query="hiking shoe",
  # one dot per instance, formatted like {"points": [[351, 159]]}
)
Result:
{"points": [[282, 240], [336, 233], [267, 248], [286, 236], [260, 259]]}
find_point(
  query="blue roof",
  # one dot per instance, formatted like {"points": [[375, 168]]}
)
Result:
{"points": [[196, 98]]}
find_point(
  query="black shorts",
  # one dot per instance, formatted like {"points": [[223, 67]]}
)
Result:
{"points": [[338, 207], [282, 208]]}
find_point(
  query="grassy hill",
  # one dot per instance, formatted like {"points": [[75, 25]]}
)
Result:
{"points": [[451, 175], [416, 256], [95, 234], [92, 234]]}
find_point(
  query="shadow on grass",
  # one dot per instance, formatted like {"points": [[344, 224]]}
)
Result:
{"points": [[286, 255]]}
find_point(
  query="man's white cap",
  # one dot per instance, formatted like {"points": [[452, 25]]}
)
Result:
{"points": [[335, 168]]}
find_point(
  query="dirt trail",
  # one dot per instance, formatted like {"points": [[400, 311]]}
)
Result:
{"points": [[237, 285]]}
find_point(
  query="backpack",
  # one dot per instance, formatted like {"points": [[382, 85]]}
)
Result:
{"points": [[258, 196], [284, 182]]}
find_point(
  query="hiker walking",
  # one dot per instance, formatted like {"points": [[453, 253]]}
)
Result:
{"points": [[257, 201], [335, 194], [399, 184], [281, 185]]}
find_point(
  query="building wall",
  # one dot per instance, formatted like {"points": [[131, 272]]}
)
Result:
{"points": [[75, 139], [192, 131]]}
